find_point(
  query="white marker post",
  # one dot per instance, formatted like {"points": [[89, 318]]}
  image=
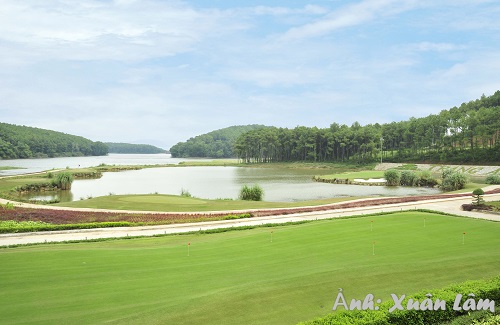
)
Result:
{"points": [[189, 244], [271, 236]]}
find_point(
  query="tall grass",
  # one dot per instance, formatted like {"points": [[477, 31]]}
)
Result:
{"points": [[254, 193], [63, 180]]}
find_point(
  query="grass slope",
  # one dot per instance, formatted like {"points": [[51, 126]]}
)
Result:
{"points": [[241, 277]]}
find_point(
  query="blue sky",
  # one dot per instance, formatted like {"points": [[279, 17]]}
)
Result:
{"points": [[160, 72]]}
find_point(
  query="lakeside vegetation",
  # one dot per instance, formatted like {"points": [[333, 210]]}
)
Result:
{"points": [[28, 142], [118, 147], [10, 168], [293, 277]]}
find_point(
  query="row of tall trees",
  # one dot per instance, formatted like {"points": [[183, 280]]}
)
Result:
{"points": [[28, 142], [215, 144], [466, 134]]}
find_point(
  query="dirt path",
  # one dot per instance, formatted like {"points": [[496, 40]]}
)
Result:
{"points": [[448, 205]]}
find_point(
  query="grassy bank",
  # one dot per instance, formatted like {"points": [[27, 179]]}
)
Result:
{"points": [[173, 203], [243, 277], [9, 168], [365, 174]]}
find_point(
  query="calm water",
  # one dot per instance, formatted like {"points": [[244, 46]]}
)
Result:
{"points": [[38, 165], [282, 185]]}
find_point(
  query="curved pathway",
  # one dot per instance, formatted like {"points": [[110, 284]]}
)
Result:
{"points": [[447, 205]]}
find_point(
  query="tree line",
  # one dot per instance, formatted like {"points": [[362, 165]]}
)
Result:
{"points": [[28, 142], [115, 147], [465, 134], [215, 144]]}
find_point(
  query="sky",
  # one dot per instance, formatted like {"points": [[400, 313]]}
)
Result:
{"points": [[162, 71]]}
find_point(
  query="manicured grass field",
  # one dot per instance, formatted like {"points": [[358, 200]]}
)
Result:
{"points": [[174, 203], [242, 277], [7, 184]]}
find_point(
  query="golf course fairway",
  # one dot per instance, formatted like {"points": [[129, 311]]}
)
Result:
{"points": [[267, 275]]}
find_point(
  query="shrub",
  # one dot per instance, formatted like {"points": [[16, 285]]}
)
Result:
{"points": [[426, 179], [36, 187], [447, 171], [237, 216], [478, 196], [483, 289], [408, 178], [467, 207], [488, 320], [7, 206], [493, 179], [392, 177], [63, 181], [453, 181], [254, 193], [9, 226], [185, 193]]}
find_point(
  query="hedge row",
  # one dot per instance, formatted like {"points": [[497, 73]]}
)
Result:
{"points": [[13, 226], [482, 289]]}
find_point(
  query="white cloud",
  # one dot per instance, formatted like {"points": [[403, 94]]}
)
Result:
{"points": [[123, 30], [438, 47], [280, 11], [351, 15], [168, 70]]}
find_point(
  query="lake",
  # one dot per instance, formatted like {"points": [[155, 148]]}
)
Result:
{"points": [[280, 185], [38, 165]]}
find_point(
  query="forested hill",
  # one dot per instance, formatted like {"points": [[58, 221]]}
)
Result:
{"points": [[133, 148], [28, 142], [466, 134], [215, 144]]}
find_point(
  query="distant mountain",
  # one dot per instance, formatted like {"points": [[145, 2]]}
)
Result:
{"points": [[28, 142], [215, 144], [115, 147]]}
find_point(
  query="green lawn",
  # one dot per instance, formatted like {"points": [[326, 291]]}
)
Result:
{"points": [[495, 204], [9, 183], [241, 277], [173, 203]]}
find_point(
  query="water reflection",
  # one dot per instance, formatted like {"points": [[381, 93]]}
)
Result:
{"points": [[63, 196]]}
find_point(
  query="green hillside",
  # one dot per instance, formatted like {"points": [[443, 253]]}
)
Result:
{"points": [[28, 142], [115, 147], [215, 144], [466, 134]]}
